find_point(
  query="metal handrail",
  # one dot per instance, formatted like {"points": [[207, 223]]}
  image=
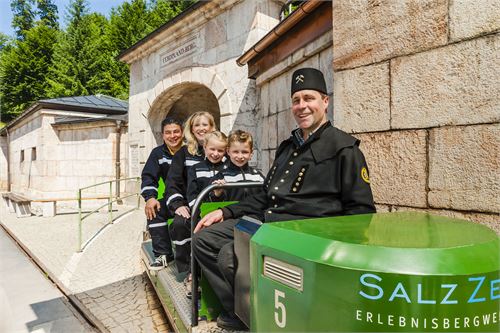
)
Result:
{"points": [[194, 214], [110, 202]]}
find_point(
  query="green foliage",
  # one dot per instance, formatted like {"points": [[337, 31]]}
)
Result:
{"points": [[81, 60], [128, 24], [84, 61], [23, 17], [289, 8], [163, 11], [132, 21], [23, 70], [5, 41], [47, 12], [76, 9]]}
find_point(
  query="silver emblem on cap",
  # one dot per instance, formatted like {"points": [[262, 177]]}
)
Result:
{"points": [[299, 78]]}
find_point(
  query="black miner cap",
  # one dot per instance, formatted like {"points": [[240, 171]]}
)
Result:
{"points": [[308, 78]]}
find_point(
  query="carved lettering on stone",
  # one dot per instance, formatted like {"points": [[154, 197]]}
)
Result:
{"points": [[187, 47]]}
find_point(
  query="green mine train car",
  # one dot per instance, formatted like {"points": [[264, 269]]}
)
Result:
{"points": [[390, 272]]}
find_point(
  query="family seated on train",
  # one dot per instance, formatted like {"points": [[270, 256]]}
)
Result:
{"points": [[319, 171], [209, 157]]}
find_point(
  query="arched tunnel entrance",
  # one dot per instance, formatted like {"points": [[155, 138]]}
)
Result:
{"points": [[180, 101]]}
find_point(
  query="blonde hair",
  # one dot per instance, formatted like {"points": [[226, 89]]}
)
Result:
{"points": [[215, 135], [240, 136], [189, 137]]}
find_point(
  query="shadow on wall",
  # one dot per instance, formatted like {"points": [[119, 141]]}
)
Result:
{"points": [[85, 134], [4, 158], [30, 126], [247, 119]]}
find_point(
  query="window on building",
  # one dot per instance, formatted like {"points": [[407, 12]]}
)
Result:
{"points": [[21, 159], [33, 154]]}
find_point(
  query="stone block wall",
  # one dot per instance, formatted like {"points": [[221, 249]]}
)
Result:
{"points": [[83, 156], [67, 157], [23, 138], [417, 82]]}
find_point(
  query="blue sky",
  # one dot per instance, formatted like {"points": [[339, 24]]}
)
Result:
{"points": [[101, 6]]}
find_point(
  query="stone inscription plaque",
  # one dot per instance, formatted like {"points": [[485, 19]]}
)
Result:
{"points": [[188, 47], [134, 160]]}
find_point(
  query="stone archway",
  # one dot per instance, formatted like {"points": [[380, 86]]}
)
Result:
{"points": [[181, 101], [185, 92]]}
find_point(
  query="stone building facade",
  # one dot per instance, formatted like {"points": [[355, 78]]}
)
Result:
{"points": [[417, 82], [189, 65], [275, 121], [60, 145]]}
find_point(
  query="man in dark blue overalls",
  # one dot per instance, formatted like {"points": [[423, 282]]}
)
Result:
{"points": [[154, 173]]}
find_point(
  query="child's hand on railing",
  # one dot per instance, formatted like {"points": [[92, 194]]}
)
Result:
{"points": [[218, 192]]}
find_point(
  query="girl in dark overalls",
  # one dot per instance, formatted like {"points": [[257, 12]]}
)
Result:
{"points": [[195, 129]]}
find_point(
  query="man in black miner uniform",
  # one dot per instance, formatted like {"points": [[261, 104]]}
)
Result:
{"points": [[156, 168], [319, 171]]}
